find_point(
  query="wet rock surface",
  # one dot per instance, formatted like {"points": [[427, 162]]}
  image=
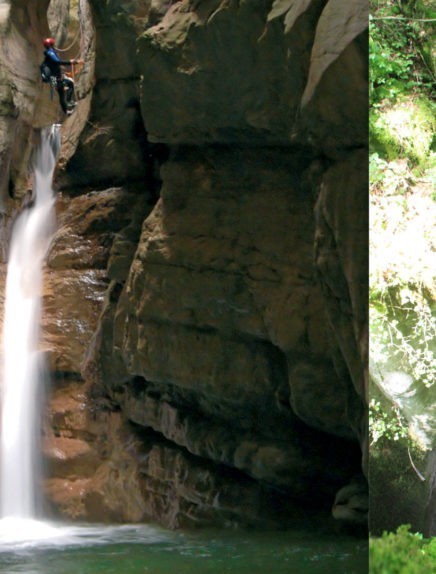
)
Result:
{"points": [[205, 302]]}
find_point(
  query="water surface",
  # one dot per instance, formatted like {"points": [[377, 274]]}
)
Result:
{"points": [[132, 549]]}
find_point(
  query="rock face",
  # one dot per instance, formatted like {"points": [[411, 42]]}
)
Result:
{"points": [[205, 305]]}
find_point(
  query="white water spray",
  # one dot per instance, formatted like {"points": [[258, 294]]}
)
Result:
{"points": [[22, 368]]}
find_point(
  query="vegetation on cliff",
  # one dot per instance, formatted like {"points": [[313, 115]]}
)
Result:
{"points": [[402, 552], [402, 288]]}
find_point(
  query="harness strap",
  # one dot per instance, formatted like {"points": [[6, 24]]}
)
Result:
{"points": [[53, 85]]}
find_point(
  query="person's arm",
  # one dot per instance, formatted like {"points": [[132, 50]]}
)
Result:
{"points": [[55, 58]]}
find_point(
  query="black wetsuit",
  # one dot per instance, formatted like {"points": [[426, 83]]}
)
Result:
{"points": [[64, 85]]}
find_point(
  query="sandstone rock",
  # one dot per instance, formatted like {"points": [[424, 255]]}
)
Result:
{"points": [[143, 478], [279, 459], [319, 384], [69, 457], [66, 497], [213, 315], [339, 24], [342, 258], [336, 117], [200, 49], [68, 407], [290, 8], [87, 227], [201, 316], [72, 303], [58, 16], [185, 493], [76, 277], [203, 48], [111, 148], [25, 103], [210, 259]]}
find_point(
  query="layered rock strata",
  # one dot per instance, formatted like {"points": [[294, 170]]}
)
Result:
{"points": [[206, 296]]}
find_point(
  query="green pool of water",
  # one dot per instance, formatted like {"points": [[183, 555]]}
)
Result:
{"points": [[150, 550]]}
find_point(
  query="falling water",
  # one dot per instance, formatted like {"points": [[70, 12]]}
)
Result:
{"points": [[22, 368]]}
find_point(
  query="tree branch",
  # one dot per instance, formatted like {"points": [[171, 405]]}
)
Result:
{"points": [[403, 18]]}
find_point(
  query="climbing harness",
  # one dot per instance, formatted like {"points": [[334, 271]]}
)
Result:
{"points": [[66, 82], [53, 86]]}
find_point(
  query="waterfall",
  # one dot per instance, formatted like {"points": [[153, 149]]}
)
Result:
{"points": [[22, 364]]}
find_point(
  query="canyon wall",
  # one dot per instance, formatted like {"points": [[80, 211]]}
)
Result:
{"points": [[206, 291]]}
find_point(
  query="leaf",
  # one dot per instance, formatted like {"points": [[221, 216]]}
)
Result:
{"points": [[340, 22], [292, 8]]}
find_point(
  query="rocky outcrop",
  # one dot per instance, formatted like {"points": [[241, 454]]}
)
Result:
{"points": [[25, 104], [342, 261], [205, 318]]}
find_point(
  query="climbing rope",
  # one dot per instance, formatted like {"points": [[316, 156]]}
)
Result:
{"points": [[79, 34], [82, 16], [68, 48]]}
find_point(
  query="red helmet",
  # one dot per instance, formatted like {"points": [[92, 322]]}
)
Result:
{"points": [[49, 42]]}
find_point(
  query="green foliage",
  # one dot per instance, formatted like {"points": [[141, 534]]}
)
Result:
{"points": [[402, 552], [402, 75], [390, 65], [402, 288], [397, 494], [388, 178], [405, 129], [402, 337], [402, 333], [402, 320], [384, 423], [400, 48], [377, 170]]}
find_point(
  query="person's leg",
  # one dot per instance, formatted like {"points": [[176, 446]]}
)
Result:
{"points": [[70, 99], [62, 99]]}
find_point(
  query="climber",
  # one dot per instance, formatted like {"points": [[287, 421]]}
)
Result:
{"points": [[51, 72]]}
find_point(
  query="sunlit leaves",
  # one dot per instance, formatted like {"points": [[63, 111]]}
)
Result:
{"points": [[383, 424], [399, 53], [402, 552]]}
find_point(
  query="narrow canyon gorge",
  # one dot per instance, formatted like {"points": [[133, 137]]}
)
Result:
{"points": [[206, 290]]}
